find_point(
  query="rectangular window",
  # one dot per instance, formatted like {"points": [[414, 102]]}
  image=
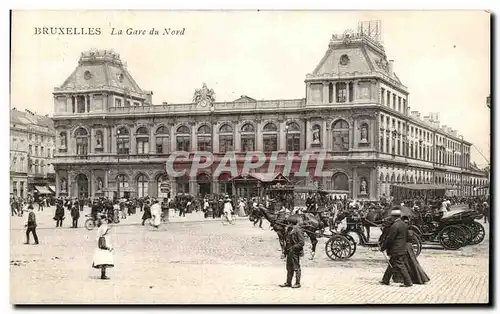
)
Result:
{"points": [[142, 145], [248, 143], [226, 143], [382, 96], [118, 102], [204, 143], [183, 143], [399, 103], [386, 145], [270, 142], [123, 146], [128, 103], [36, 150], [341, 92], [161, 145], [293, 142], [388, 98], [394, 104]]}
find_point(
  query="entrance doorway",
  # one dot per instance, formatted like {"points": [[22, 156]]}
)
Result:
{"points": [[83, 186], [204, 184]]}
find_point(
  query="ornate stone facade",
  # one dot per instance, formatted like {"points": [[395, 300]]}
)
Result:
{"points": [[349, 113]]}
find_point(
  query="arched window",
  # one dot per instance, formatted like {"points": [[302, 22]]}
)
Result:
{"points": [[142, 140], [142, 186], [122, 180], [382, 178], [340, 136], [292, 137], [123, 141], [270, 137], [205, 138], [82, 142], [63, 141], [163, 185], [398, 179], [340, 182], [226, 138], [162, 140], [341, 89], [247, 137], [99, 146], [183, 139], [36, 166]]}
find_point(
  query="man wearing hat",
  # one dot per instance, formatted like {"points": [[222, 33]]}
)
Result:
{"points": [[31, 225], [294, 249], [395, 246], [228, 209]]}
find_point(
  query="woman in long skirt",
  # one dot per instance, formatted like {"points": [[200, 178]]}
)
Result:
{"points": [[417, 273], [103, 255]]}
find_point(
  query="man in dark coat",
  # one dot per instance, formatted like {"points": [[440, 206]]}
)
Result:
{"points": [[59, 215], [294, 249], [395, 245], [31, 226], [147, 213], [75, 215]]}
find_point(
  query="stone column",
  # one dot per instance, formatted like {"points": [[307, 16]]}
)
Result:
{"points": [[132, 142], [334, 94], [323, 135], [58, 185], [105, 141], [258, 135], [308, 132], [282, 135], [308, 93], [113, 139], [91, 141], [106, 186], [236, 136], [347, 94], [355, 85], [173, 187], [215, 185], [92, 184], [325, 93], [194, 142], [193, 189], [215, 137], [173, 140], [152, 142], [70, 183], [328, 136]]}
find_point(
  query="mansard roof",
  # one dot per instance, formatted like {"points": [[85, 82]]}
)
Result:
{"points": [[101, 69]]}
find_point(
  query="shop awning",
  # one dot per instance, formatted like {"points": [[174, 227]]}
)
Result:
{"points": [[52, 188], [422, 186], [42, 189]]}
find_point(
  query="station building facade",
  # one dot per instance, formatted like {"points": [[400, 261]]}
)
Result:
{"points": [[111, 138]]}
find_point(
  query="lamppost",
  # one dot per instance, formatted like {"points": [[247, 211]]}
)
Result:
{"points": [[118, 165]]}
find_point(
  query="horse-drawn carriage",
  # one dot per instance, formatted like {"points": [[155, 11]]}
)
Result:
{"points": [[341, 245]]}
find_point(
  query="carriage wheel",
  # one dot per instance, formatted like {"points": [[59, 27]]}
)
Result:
{"points": [[338, 247], [468, 233], [452, 237], [416, 245], [89, 224], [478, 233], [352, 242]]}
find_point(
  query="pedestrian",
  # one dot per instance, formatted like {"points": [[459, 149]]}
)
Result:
{"points": [[417, 273], [394, 243], [165, 210], [13, 207], [75, 215], [31, 226], [147, 213], [155, 214], [59, 215], [294, 249], [103, 255], [228, 209]]}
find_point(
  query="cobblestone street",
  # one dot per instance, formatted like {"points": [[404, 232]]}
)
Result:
{"points": [[194, 261]]}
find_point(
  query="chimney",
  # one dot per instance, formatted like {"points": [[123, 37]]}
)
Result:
{"points": [[391, 67], [427, 119], [415, 114], [149, 97], [164, 103]]}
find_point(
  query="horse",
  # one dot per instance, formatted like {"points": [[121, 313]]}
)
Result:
{"points": [[280, 221], [256, 217]]}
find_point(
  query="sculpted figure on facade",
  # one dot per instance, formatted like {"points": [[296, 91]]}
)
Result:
{"points": [[316, 135], [363, 188], [63, 185], [99, 184], [98, 141], [364, 133]]}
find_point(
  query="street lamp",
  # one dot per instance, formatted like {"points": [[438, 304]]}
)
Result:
{"points": [[118, 165]]}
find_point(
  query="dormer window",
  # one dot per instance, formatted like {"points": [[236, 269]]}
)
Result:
{"points": [[344, 60]]}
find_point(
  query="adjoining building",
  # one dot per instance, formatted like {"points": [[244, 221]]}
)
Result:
{"points": [[32, 146], [111, 139]]}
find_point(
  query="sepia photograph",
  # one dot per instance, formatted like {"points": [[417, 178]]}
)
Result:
{"points": [[250, 157]]}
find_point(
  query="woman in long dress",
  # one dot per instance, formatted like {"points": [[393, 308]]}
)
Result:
{"points": [[228, 208], [417, 273], [103, 255]]}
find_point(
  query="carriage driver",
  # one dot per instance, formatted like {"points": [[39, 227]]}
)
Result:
{"points": [[294, 249]]}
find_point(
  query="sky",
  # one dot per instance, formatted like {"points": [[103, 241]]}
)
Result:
{"points": [[443, 57]]}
